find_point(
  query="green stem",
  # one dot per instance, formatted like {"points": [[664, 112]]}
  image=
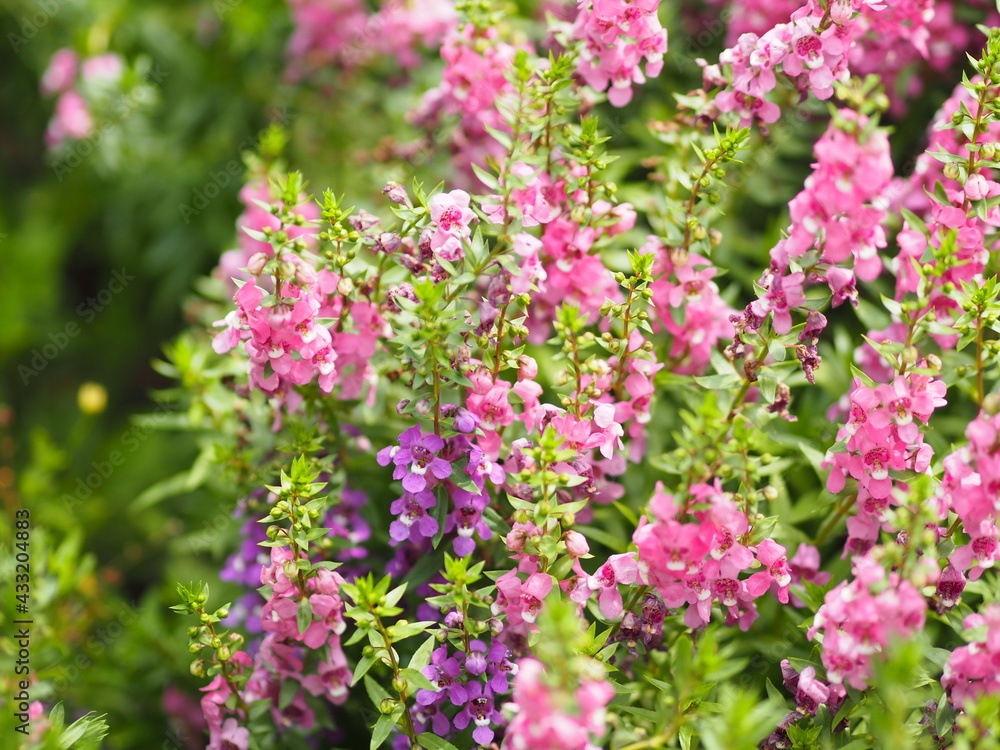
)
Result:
{"points": [[394, 666], [980, 386], [831, 523]]}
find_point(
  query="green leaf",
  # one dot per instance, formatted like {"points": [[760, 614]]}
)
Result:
{"points": [[719, 382], [289, 689], [777, 350], [400, 632], [163, 489], [422, 656], [627, 512], [440, 514], [642, 713], [864, 378], [768, 382], [433, 742], [495, 521], [363, 666], [384, 726], [376, 692], [57, 717], [417, 680], [304, 616]]}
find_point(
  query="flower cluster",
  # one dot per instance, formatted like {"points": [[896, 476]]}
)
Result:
{"points": [[695, 562], [425, 462], [970, 488], [971, 670], [286, 343], [616, 36], [688, 306], [473, 80], [541, 719], [67, 76], [346, 34], [470, 682], [894, 40], [280, 657], [881, 435], [839, 212], [859, 617]]}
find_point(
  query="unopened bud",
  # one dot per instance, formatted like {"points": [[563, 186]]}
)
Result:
{"points": [[991, 404], [256, 263], [576, 543], [396, 193]]}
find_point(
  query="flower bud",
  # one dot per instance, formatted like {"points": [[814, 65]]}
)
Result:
{"points": [[991, 404], [527, 368], [576, 544], [396, 193], [256, 263]]}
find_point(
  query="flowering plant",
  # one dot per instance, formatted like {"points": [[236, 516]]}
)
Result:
{"points": [[550, 456]]}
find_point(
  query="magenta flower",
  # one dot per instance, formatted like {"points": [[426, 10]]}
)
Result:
{"points": [[618, 569]]}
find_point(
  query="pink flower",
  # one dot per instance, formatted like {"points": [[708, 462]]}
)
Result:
{"points": [[971, 670], [59, 76], [521, 601], [783, 294], [108, 66], [234, 737], [451, 216], [71, 120], [616, 37], [618, 569], [773, 557], [859, 617], [539, 721]]}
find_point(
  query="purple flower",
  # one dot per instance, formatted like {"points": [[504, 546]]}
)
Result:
{"points": [[415, 455], [481, 468], [499, 667], [475, 659], [413, 519], [463, 420], [345, 521], [479, 709], [430, 714], [466, 519], [443, 671]]}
